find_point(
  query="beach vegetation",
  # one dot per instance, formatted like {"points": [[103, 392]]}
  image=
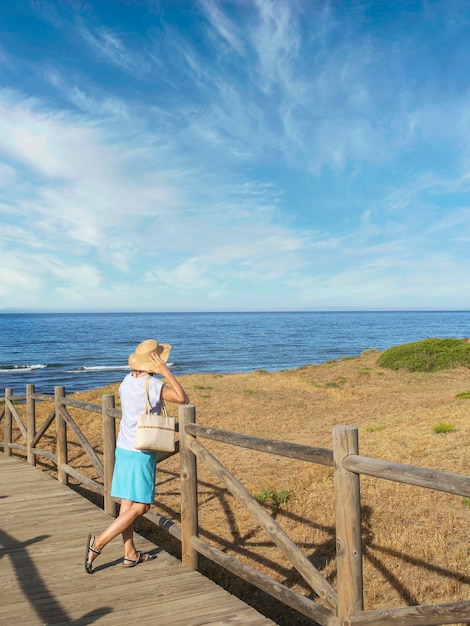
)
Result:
{"points": [[335, 384], [273, 497], [428, 355], [463, 395], [443, 429], [375, 429]]}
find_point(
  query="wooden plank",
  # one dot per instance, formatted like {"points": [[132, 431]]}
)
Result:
{"points": [[43, 529]]}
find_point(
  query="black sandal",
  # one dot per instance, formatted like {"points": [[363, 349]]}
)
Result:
{"points": [[142, 557], [89, 548]]}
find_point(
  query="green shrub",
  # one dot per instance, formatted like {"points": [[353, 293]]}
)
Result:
{"points": [[336, 383], [466, 502], [271, 496], [373, 429], [465, 395], [429, 355], [443, 428]]}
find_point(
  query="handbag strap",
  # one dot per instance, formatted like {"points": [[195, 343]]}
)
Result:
{"points": [[147, 399]]}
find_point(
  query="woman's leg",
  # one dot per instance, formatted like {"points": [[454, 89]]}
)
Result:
{"points": [[130, 551], [123, 524]]}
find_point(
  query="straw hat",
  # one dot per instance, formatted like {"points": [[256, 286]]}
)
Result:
{"points": [[140, 359]]}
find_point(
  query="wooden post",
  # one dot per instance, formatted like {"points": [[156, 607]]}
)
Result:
{"points": [[109, 448], [61, 435], [348, 525], [188, 476], [8, 423], [30, 422]]}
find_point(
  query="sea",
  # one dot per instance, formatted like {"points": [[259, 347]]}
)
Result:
{"points": [[84, 351]]}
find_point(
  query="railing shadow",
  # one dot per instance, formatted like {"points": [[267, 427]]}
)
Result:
{"points": [[320, 555], [34, 587]]}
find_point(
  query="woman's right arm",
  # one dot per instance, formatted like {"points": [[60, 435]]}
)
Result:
{"points": [[173, 390]]}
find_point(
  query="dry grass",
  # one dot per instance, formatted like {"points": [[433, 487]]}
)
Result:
{"points": [[415, 540]]}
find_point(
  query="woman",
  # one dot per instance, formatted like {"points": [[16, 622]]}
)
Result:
{"points": [[135, 470]]}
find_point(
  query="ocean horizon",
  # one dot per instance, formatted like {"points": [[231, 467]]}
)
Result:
{"points": [[85, 351]]}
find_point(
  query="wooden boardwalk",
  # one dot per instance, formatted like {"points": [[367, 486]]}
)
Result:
{"points": [[43, 530]]}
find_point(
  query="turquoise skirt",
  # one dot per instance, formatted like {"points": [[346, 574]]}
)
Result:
{"points": [[134, 475]]}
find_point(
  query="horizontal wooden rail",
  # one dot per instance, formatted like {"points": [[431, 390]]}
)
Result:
{"points": [[410, 474], [17, 446], [14, 398], [430, 614], [78, 404], [164, 523], [261, 444], [81, 478], [43, 397], [293, 599], [114, 413], [47, 454]]}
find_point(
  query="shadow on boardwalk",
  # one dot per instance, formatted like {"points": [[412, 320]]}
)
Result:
{"points": [[33, 586]]}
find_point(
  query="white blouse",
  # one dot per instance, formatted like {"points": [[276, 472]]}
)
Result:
{"points": [[132, 392]]}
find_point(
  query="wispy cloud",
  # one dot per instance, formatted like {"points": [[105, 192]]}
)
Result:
{"points": [[263, 149], [226, 28], [111, 47]]}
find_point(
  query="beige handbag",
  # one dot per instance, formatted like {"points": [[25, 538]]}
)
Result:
{"points": [[155, 433]]}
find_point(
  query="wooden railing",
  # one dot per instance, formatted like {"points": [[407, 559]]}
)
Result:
{"points": [[341, 606]]}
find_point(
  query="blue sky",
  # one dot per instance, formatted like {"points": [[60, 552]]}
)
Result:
{"points": [[242, 155]]}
